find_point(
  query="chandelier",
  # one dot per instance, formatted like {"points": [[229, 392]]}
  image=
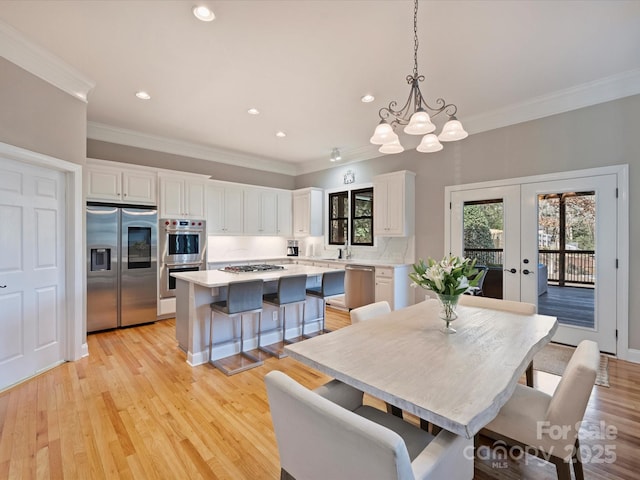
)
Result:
{"points": [[416, 114]]}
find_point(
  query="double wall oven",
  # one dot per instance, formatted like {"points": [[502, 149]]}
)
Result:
{"points": [[183, 245]]}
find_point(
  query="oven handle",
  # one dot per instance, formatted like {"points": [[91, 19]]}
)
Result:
{"points": [[183, 264], [189, 231]]}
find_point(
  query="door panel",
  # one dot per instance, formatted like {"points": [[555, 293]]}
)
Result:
{"points": [[602, 299], [510, 236], [31, 269]]}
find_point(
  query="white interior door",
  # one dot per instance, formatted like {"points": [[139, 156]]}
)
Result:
{"points": [[32, 270], [585, 301], [519, 245]]}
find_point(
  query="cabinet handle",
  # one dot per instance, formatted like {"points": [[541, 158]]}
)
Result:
{"points": [[3, 286]]}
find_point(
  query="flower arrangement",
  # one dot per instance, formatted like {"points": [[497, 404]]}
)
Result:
{"points": [[451, 276]]}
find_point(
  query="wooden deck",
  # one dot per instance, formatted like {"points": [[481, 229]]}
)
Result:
{"points": [[572, 305]]}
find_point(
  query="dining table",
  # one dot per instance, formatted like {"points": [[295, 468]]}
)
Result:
{"points": [[457, 381]]}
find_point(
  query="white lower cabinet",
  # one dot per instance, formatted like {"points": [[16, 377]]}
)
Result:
{"points": [[393, 285]]}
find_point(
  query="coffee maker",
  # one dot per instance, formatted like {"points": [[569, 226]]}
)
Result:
{"points": [[292, 248]]}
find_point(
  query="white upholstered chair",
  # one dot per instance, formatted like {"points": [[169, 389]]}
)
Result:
{"points": [[504, 305], [548, 425], [369, 311], [497, 304], [329, 434]]}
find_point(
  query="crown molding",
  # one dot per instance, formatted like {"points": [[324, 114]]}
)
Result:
{"points": [[603, 90], [16, 48], [121, 136]]}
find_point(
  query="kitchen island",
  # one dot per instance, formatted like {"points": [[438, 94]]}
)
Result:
{"points": [[195, 291]]}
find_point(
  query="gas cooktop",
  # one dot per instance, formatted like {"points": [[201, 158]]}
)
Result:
{"points": [[261, 267]]}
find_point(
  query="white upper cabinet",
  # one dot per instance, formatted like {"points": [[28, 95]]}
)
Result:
{"points": [[225, 209], [307, 212], [285, 214], [120, 184], [182, 197], [260, 212], [394, 204]]}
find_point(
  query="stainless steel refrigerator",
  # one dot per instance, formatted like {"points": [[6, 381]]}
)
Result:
{"points": [[122, 273]]}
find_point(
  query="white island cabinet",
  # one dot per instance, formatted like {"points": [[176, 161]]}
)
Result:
{"points": [[195, 291]]}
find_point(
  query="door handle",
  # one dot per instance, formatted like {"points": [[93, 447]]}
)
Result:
{"points": [[511, 270], [527, 272], [3, 286]]}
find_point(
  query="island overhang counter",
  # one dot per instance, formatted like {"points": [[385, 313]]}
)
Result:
{"points": [[195, 291]]}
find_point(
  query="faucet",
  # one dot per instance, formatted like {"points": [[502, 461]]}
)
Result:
{"points": [[347, 252]]}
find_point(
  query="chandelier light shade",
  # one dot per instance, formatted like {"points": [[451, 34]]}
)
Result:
{"points": [[416, 114], [429, 144], [452, 131], [393, 147]]}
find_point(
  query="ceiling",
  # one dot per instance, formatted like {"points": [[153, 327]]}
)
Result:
{"points": [[305, 65]]}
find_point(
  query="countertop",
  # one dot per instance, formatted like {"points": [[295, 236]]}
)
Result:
{"points": [[290, 260], [218, 278]]}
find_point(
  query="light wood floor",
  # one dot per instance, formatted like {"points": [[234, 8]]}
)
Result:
{"points": [[135, 409]]}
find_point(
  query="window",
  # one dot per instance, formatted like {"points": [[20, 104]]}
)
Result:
{"points": [[362, 217], [351, 209], [338, 218]]}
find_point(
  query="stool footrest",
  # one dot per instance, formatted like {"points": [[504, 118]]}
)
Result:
{"points": [[237, 363], [275, 349]]}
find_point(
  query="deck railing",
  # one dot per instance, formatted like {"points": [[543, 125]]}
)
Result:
{"points": [[563, 266]]}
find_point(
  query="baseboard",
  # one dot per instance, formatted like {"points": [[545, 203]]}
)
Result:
{"points": [[633, 355]]}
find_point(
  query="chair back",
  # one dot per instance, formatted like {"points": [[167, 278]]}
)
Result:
{"points": [[333, 283], [244, 296], [292, 288], [483, 272], [369, 311], [569, 401], [318, 439], [497, 304]]}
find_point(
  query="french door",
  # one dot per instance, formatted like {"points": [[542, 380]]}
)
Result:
{"points": [[566, 267]]}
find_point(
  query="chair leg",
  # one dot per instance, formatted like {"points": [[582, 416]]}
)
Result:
{"points": [[242, 352], [577, 462], [211, 336], [283, 313], [529, 374], [324, 317], [563, 469], [259, 331]]}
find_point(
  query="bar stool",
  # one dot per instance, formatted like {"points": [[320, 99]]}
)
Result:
{"points": [[242, 297], [291, 291], [332, 284]]}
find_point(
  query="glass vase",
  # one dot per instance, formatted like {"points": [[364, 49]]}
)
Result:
{"points": [[448, 304]]}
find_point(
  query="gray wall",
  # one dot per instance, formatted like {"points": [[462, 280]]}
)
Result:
{"points": [[39, 117], [602, 135], [218, 171]]}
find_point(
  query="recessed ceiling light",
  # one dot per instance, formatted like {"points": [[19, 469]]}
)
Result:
{"points": [[203, 13], [367, 98], [142, 95], [253, 111], [281, 134]]}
